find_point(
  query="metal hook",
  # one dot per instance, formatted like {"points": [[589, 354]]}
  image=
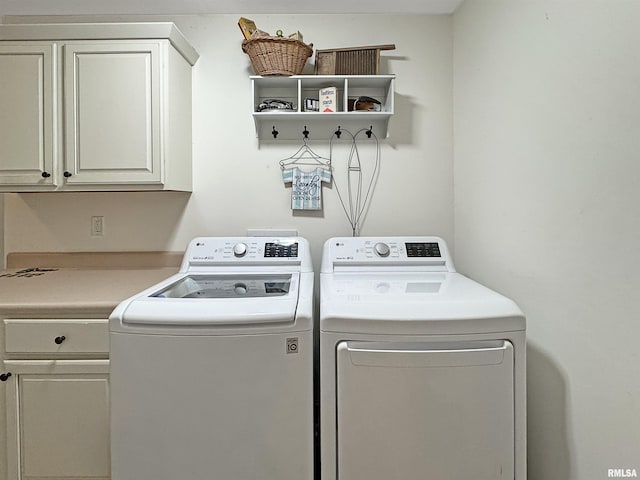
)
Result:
{"points": [[305, 132], [337, 133], [370, 131], [274, 132]]}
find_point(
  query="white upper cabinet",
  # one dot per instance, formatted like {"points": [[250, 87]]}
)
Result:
{"points": [[109, 113], [112, 122], [26, 114]]}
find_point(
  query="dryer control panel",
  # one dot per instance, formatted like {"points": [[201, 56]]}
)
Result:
{"points": [[428, 253], [246, 251]]}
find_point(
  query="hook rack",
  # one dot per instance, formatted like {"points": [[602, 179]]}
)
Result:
{"points": [[305, 132]]}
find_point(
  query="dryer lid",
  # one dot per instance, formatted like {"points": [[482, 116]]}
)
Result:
{"points": [[412, 303]]}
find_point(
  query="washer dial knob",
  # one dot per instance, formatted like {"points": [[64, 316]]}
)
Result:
{"points": [[382, 249], [240, 249], [240, 289]]}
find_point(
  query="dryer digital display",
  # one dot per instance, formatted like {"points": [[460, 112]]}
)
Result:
{"points": [[422, 249]]}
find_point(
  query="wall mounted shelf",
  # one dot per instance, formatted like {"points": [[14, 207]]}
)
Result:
{"points": [[290, 123]]}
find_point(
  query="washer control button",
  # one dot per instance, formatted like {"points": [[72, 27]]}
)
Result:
{"points": [[382, 249], [240, 249]]}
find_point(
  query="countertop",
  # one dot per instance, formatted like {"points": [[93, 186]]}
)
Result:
{"points": [[78, 284]]}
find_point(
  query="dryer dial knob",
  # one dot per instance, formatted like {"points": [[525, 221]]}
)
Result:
{"points": [[240, 249], [382, 249]]}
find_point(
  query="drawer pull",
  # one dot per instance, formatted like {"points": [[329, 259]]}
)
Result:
{"points": [[59, 339], [4, 376]]}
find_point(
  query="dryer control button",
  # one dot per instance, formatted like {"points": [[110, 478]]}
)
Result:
{"points": [[240, 249], [382, 249]]}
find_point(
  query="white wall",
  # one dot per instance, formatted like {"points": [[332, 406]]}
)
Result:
{"points": [[237, 185], [547, 177]]}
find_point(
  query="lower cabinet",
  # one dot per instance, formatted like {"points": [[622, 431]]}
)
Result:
{"points": [[56, 401], [58, 419]]}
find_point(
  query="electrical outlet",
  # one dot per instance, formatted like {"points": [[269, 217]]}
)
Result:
{"points": [[97, 226]]}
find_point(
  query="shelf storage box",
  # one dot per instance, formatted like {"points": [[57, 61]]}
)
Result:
{"points": [[350, 61]]}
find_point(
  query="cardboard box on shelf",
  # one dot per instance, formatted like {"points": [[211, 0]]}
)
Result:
{"points": [[328, 99]]}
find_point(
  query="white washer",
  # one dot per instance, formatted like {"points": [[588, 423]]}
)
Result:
{"points": [[422, 370], [212, 369]]}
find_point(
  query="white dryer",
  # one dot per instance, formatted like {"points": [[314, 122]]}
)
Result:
{"points": [[212, 369], [422, 370]]}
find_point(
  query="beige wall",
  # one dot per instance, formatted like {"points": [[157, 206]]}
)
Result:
{"points": [[547, 188], [238, 185]]}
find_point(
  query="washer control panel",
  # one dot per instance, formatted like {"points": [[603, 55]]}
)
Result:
{"points": [[208, 251], [359, 252]]}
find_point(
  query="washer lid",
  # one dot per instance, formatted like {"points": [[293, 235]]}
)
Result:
{"points": [[227, 286], [413, 303], [216, 299]]}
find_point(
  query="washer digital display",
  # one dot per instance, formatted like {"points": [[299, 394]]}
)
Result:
{"points": [[281, 249]]}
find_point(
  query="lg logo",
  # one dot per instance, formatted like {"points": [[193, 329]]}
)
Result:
{"points": [[292, 345]]}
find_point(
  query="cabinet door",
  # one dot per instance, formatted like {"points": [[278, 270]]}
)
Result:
{"points": [[58, 419], [26, 114], [112, 113]]}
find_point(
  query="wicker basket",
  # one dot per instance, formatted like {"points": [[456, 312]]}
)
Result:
{"points": [[277, 55]]}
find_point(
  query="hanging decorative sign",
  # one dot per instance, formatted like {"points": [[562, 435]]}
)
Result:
{"points": [[306, 187]]}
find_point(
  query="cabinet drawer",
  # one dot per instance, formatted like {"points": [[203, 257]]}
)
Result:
{"points": [[57, 336]]}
